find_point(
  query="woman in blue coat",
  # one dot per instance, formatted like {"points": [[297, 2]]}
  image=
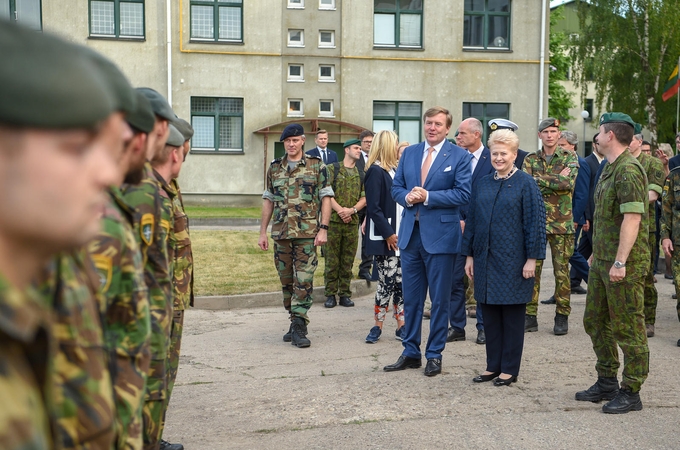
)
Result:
{"points": [[504, 236]]}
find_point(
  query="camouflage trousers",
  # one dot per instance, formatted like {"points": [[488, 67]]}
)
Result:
{"points": [[173, 357], [154, 404], [651, 294], [561, 248], [469, 292], [614, 315], [296, 261], [129, 391], [389, 288], [341, 248], [675, 266]]}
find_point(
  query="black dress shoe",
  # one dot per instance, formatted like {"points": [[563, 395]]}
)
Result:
{"points": [[330, 302], [165, 445], [404, 362], [485, 378], [578, 290], [501, 382], [364, 275], [433, 367], [550, 301], [481, 337], [345, 301], [454, 335]]}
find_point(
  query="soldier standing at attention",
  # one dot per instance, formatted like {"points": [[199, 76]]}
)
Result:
{"points": [[54, 106], [298, 192], [670, 227], [347, 181], [555, 170], [656, 177], [619, 264]]}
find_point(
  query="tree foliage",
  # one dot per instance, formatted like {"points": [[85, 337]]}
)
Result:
{"points": [[628, 48], [559, 100]]}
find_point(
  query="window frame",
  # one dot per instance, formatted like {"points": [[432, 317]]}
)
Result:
{"points": [[323, 79], [485, 117], [300, 5], [486, 14], [296, 78], [216, 5], [301, 112], [116, 21], [396, 118], [330, 113], [216, 126], [302, 38], [330, 7], [325, 44], [13, 15], [397, 12]]}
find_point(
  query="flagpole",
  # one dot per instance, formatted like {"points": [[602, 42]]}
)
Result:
{"points": [[677, 108]]}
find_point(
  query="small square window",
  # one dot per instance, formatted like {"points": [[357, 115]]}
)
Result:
{"points": [[297, 4], [295, 107], [327, 39], [296, 72], [327, 73], [326, 4], [326, 108], [296, 38]]}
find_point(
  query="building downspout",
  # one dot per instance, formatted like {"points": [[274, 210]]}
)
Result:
{"points": [[541, 66], [168, 20]]}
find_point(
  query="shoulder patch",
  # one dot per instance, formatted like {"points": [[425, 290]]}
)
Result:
{"points": [[275, 161], [104, 266], [312, 156], [146, 228]]}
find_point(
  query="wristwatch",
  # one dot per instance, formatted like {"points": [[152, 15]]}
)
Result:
{"points": [[355, 210], [323, 227], [619, 264]]}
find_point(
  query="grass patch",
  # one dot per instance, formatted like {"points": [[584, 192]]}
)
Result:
{"points": [[215, 212]]}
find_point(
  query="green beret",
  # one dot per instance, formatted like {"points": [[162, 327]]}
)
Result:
{"points": [[184, 127], [175, 138], [142, 118], [121, 87], [351, 142], [159, 104], [638, 128], [549, 122], [616, 117], [46, 82]]}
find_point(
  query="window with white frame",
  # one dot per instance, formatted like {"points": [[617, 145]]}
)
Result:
{"points": [[326, 39], [297, 4], [326, 108], [326, 73], [326, 4], [295, 107], [296, 72], [296, 38], [217, 123]]}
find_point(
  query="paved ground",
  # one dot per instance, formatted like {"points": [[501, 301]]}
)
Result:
{"points": [[240, 386]]}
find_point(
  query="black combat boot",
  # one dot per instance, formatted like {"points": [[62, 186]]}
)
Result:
{"points": [[530, 323], [624, 402], [561, 324], [165, 445], [603, 389], [299, 333], [287, 336]]}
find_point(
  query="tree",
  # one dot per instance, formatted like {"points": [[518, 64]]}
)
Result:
{"points": [[628, 48], [559, 100]]}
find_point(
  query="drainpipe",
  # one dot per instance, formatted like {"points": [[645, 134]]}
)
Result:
{"points": [[541, 67], [168, 20]]}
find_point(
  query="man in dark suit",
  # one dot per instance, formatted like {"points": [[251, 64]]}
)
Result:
{"points": [[432, 183], [366, 266], [321, 150], [470, 133], [675, 161]]}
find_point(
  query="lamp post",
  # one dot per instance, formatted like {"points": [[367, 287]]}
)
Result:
{"points": [[585, 114]]}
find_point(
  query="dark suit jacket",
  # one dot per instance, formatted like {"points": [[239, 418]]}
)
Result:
{"points": [[449, 188], [332, 156], [381, 211], [594, 166], [482, 169], [521, 154], [579, 201], [674, 162]]}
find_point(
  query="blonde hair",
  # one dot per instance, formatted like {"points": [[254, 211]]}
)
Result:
{"points": [[384, 149], [505, 137], [667, 149], [401, 145]]}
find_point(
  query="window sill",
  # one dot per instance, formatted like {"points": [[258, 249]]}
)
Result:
{"points": [[295, 81], [328, 9], [326, 117], [295, 7], [214, 42], [217, 152], [487, 50], [326, 46], [406, 49], [114, 38], [297, 116], [295, 45], [326, 81]]}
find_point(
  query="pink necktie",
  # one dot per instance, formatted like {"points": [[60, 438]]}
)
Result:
{"points": [[426, 166]]}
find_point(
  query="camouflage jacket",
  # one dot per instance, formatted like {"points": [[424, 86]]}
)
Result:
{"points": [[622, 189], [152, 230], [127, 327], [347, 190], [184, 259], [656, 178], [168, 195], [25, 350], [557, 189], [83, 394], [670, 208], [297, 196]]}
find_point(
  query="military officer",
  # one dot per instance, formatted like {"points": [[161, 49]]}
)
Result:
{"points": [[670, 227], [299, 196]]}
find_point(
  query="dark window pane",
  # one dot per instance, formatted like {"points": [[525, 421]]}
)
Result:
{"points": [[384, 109], [497, 110], [474, 5], [202, 104], [325, 71], [409, 109], [498, 5], [413, 5], [498, 31], [473, 110], [385, 4], [295, 71], [473, 31], [230, 105]]}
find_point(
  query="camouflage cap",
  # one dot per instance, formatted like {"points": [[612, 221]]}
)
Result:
{"points": [[351, 142], [46, 82], [159, 104], [549, 122], [184, 127], [142, 118], [126, 100], [505, 124], [175, 138], [616, 117], [294, 129]]}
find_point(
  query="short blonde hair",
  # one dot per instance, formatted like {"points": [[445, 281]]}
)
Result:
{"points": [[667, 149], [384, 149], [506, 137], [401, 145]]}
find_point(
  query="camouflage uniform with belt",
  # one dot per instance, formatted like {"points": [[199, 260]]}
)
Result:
{"points": [[127, 326], [614, 311], [670, 225], [557, 193], [296, 195], [152, 228]]}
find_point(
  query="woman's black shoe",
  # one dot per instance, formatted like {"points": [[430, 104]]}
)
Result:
{"points": [[485, 378], [501, 382]]}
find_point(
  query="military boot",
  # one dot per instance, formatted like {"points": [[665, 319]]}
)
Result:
{"points": [[561, 324], [299, 333], [604, 389], [165, 445], [287, 336], [624, 402], [530, 323]]}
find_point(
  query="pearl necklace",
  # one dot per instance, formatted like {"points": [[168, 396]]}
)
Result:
{"points": [[511, 173]]}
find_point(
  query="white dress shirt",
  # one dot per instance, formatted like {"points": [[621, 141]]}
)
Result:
{"points": [[475, 158]]}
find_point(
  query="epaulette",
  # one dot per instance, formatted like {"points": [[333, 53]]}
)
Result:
{"points": [[674, 169], [312, 156], [275, 161]]}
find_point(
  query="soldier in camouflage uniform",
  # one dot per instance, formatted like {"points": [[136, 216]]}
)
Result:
{"points": [[346, 179], [656, 177], [555, 170], [614, 304], [297, 192], [670, 227]]}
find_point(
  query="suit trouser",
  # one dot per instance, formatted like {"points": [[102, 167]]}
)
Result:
{"points": [[579, 264], [457, 317], [585, 249], [561, 248], [504, 337], [420, 271]]}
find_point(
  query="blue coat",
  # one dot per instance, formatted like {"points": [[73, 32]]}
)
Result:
{"points": [[504, 228], [332, 156], [381, 211], [483, 168], [581, 192]]}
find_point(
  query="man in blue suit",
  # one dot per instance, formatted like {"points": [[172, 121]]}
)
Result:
{"points": [[321, 150], [432, 183]]}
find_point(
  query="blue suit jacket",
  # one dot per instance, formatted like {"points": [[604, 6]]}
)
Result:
{"points": [[580, 199], [482, 169], [332, 156], [448, 184]]}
